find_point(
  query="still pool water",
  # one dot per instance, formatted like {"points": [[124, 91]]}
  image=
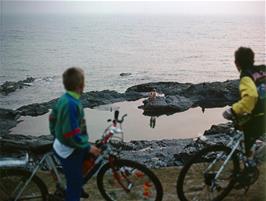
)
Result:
{"points": [[136, 126]]}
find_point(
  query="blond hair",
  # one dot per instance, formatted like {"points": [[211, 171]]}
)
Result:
{"points": [[73, 78]]}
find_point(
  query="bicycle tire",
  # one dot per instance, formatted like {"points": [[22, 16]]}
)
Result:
{"points": [[11, 179], [206, 155], [128, 170]]}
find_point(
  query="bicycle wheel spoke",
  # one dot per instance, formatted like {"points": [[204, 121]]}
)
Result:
{"points": [[3, 192], [13, 180], [206, 176], [135, 183], [128, 180]]}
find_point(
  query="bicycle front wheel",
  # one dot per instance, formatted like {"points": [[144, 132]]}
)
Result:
{"points": [[128, 180], [200, 178], [13, 180]]}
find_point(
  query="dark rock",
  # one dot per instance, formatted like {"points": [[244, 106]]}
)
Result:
{"points": [[221, 128], [33, 109], [8, 120], [215, 94], [9, 87], [167, 105], [125, 74], [90, 99], [178, 97], [205, 95], [126, 146], [133, 96], [155, 153], [12, 142], [167, 88], [96, 98]]}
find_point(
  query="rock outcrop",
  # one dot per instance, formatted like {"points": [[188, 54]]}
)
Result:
{"points": [[125, 74], [155, 153], [177, 97], [8, 86], [8, 120]]}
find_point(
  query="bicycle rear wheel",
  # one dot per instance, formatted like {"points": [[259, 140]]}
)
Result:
{"points": [[197, 180], [12, 180], [128, 180]]}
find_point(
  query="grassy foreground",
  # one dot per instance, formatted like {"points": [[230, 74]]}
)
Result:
{"points": [[168, 177]]}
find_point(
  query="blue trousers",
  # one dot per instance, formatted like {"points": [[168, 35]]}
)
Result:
{"points": [[72, 167]]}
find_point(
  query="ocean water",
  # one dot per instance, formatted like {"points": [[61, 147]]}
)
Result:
{"points": [[181, 48]]}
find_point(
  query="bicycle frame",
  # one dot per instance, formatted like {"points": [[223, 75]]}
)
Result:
{"points": [[107, 154], [48, 159], [234, 143]]}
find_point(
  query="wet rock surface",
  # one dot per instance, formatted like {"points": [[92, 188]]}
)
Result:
{"points": [[9, 87], [177, 97], [8, 120], [166, 105], [125, 74], [89, 100], [155, 153], [182, 96]]}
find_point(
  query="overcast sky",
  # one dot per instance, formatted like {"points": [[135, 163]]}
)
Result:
{"points": [[135, 7]]}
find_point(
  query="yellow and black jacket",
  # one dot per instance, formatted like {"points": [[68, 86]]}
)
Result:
{"points": [[249, 97], [252, 90]]}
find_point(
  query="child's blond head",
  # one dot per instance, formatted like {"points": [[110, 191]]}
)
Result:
{"points": [[73, 78]]}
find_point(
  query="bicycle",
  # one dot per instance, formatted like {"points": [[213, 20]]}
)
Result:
{"points": [[117, 178], [212, 172]]}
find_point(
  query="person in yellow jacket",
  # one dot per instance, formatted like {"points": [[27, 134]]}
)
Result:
{"points": [[251, 106]]}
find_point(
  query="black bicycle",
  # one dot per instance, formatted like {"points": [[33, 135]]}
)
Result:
{"points": [[117, 178]]}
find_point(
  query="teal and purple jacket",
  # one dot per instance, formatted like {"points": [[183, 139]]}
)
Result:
{"points": [[67, 123]]}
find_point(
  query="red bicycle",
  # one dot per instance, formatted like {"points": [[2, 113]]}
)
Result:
{"points": [[117, 178]]}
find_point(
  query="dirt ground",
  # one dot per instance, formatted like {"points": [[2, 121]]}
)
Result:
{"points": [[168, 177]]}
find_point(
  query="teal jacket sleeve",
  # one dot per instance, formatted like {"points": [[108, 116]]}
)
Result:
{"points": [[52, 122]]}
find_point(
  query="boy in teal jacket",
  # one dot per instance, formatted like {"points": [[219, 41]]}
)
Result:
{"points": [[67, 125]]}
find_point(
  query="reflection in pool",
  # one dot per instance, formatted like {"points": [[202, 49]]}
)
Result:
{"points": [[136, 126]]}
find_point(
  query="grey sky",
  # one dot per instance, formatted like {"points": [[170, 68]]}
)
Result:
{"points": [[136, 7]]}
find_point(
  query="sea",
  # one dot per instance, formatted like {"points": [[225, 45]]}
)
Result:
{"points": [[150, 48]]}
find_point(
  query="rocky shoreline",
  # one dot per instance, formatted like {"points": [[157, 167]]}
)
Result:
{"points": [[177, 97], [9, 87], [156, 153]]}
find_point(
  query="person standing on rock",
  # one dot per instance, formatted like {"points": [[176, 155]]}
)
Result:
{"points": [[249, 111], [152, 95], [67, 125], [151, 99]]}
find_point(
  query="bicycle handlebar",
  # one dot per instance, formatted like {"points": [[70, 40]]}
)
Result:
{"points": [[116, 115]]}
